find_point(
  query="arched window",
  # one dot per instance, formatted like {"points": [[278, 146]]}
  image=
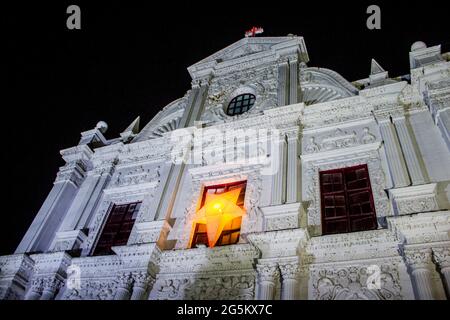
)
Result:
{"points": [[241, 104]]}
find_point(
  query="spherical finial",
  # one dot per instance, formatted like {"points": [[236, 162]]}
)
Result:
{"points": [[102, 126], [418, 45]]}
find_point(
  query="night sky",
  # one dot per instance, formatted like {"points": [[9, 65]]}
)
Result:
{"points": [[131, 59]]}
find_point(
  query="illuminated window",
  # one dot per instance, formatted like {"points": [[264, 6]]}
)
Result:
{"points": [[347, 200], [230, 228], [117, 228], [241, 104]]}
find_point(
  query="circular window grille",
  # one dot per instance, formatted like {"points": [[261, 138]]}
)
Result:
{"points": [[241, 104]]}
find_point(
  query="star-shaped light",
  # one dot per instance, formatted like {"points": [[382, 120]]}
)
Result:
{"points": [[218, 210]]}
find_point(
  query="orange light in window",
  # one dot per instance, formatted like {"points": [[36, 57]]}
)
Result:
{"points": [[219, 209]]}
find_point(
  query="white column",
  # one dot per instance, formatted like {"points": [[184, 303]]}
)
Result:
{"points": [[409, 152], [142, 282], [419, 261], [292, 177], [35, 291], [283, 78], [443, 123], [193, 112], [278, 158], [268, 277], [197, 108], [293, 81], [394, 155], [123, 291], [50, 287], [442, 258], [86, 200], [290, 281], [70, 177]]}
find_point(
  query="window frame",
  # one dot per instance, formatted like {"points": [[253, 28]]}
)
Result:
{"points": [[234, 110], [227, 187]]}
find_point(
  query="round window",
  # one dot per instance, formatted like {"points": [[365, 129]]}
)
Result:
{"points": [[241, 104]]}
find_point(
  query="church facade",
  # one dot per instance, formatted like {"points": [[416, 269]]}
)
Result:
{"points": [[269, 179]]}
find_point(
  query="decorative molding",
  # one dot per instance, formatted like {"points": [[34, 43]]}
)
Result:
{"points": [[422, 228], [358, 246], [277, 244]]}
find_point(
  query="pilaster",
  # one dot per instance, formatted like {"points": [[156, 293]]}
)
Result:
{"points": [[268, 276], [278, 161], [67, 183], [293, 168], [290, 280], [411, 156], [420, 264], [394, 155], [283, 80], [442, 258]]}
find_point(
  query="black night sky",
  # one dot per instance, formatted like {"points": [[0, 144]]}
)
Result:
{"points": [[130, 59]]}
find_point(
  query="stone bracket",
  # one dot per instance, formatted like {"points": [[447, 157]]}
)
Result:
{"points": [[68, 240], [281, 217], [149, 232], [415, 199]]}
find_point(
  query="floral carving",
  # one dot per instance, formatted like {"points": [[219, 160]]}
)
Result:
{"points": [[350, 283], [442, 257], [207, 288], [418, 258], [290, 270], [268, 272]]}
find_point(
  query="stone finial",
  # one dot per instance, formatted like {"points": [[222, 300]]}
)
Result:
{"points": [[376, 68], [418, 45], [131, 131], [102, 126]]}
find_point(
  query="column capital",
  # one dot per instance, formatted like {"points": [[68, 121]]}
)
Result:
{"points": [[125, 281], [290, 270], [51, 284], [37, 285], [142, 279], [268, 272], [292, 135], [398, 118], [418, 258], [442, 257]]}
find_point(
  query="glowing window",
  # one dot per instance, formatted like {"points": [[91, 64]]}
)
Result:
{"points": [[221, 209], [241, 104]]}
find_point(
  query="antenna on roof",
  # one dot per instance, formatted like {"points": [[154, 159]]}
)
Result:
{"points": [[253, 32]]}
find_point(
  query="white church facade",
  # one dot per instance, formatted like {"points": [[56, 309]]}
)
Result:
{"points": [[269, 179]]}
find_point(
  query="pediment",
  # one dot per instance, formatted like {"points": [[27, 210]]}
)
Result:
{"points": [[249, 46]]}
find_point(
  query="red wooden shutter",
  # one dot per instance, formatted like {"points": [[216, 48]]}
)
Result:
{"points": [[118, 227], [347, 201]]}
